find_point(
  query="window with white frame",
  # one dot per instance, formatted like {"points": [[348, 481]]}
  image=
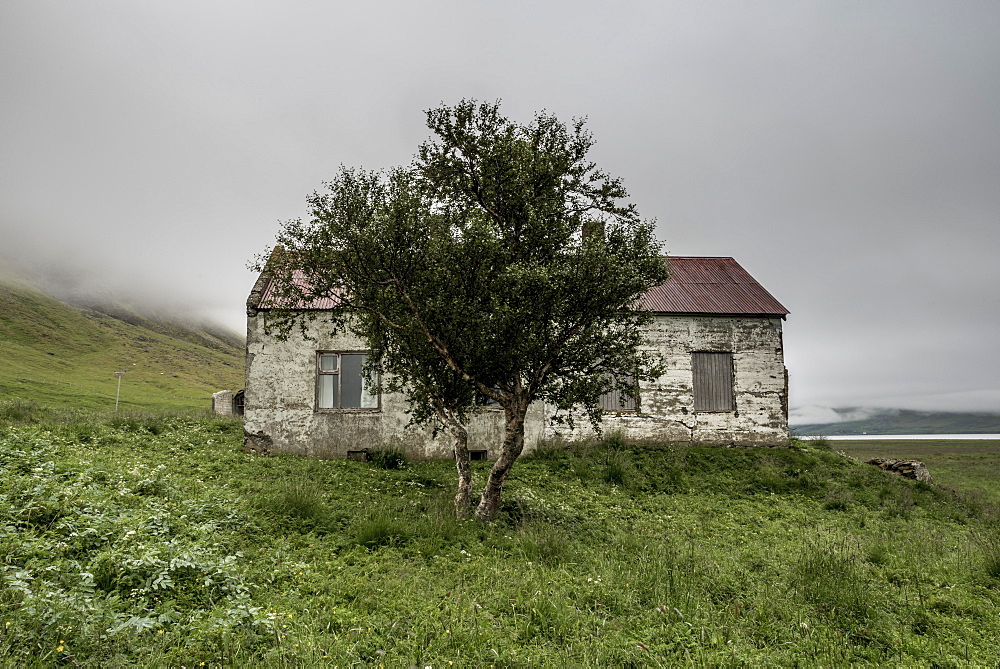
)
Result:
{"points": [[339, 383]]}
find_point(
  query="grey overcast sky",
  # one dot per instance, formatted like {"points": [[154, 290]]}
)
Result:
{"points": [[846, 153]]}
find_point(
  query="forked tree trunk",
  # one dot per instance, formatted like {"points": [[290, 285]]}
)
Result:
{"points": [[460, 436], [513, 444], [463, 498]]}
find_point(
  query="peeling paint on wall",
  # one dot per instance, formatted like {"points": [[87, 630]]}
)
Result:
{"points": [[666, 410], [281, 415], [281, 403]]}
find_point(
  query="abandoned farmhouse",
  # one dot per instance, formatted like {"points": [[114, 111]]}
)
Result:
{"points": [[718, 330]]}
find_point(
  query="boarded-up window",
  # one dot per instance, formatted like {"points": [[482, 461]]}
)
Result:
{"points": [[614, 400], [713, 381]]}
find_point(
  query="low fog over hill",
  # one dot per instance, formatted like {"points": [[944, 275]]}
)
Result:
{"points": [[70, 355], [141, 299]]}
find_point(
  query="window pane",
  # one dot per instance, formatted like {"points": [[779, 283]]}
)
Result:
{"points": [[369, 400], [328, 362], [350, 383], [484, 401], [328, 391]]}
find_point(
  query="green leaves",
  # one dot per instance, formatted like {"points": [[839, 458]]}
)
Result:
{"points": [[471, 270], [501, 261]]}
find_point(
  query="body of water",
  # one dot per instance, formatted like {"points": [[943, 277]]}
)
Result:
{"points": [[902, 437]]}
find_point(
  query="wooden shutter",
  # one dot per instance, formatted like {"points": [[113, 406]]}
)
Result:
{"points": [[713, 381], [612, 400]]}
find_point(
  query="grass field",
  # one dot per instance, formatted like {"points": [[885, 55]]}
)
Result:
{"points": [[969, 465], [137, 540]]}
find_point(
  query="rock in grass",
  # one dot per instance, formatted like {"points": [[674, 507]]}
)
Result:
{"points": [[911, 469]]}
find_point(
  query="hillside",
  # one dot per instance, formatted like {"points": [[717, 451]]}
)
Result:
{"points": [[62, 355], [902, 421]]}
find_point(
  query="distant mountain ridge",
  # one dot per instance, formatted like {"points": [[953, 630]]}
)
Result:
{"points": [[904, 421], [62, 354]]}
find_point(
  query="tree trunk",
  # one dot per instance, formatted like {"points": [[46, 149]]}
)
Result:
{"points": [[463, 498], [513, 444]]}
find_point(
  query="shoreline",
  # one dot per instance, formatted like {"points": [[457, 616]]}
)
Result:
{"points": [[899, 437]]}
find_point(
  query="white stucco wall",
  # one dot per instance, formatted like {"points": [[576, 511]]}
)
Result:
{"points": [[281, 414], [666, 406], [281, 396]]}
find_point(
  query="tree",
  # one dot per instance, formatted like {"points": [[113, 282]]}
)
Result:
{"points": [[500, 262]]}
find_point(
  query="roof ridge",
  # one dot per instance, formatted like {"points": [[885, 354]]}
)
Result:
{"points": [[721, 288]]}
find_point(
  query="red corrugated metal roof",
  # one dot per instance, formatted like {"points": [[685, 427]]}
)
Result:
{"points": [[695, 286], [270, 300], [710, 286]]}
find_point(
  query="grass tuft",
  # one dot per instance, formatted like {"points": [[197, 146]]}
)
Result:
{"points": [[550, 450], [380, 527], [21, 411], [619, 469], [301, 502], [989, 546], [820, 444], [837, 500], [387, 457], [615, 441], [542, 542], [139, 421], [831, 578]]}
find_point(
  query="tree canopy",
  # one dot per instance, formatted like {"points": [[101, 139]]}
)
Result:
{"points": [[501, 261]]}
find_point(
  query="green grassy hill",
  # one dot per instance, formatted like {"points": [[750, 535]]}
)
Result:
{"points": [[64, 356]]}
